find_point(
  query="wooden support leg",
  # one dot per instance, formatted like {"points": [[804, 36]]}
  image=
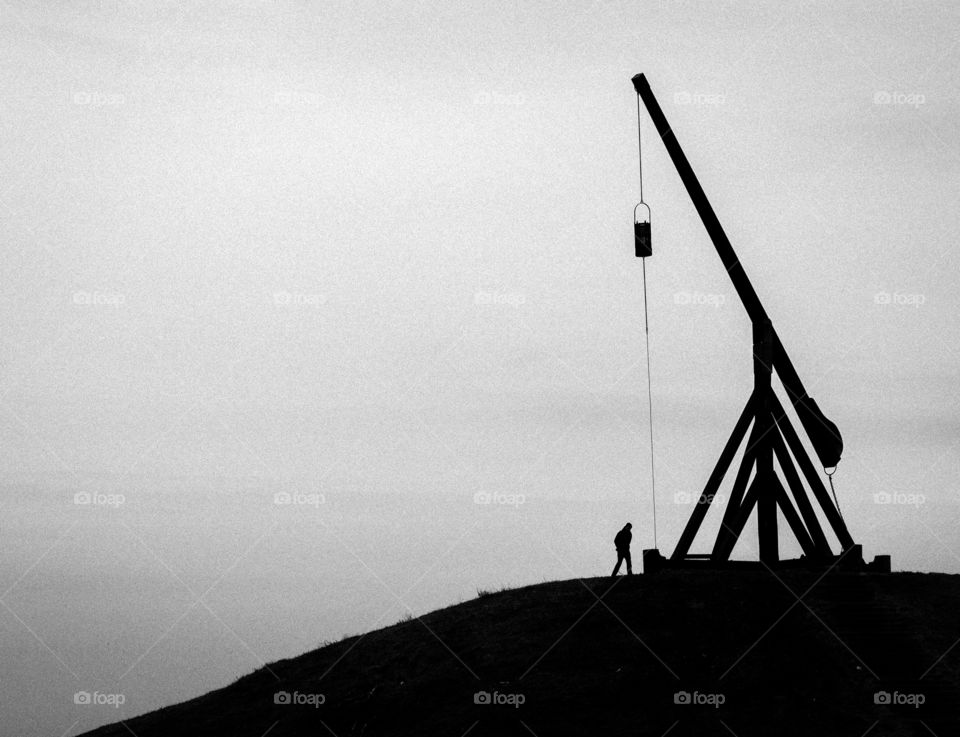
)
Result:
{"points": [[725, 541], [735, 527], [810, 473], [800, 497], [793, 519], [713, 483]]}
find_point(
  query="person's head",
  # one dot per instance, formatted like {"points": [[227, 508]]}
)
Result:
{"points": [[627, 526]]}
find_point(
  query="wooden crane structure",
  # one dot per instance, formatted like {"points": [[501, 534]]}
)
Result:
{"points": [[775, 461]]}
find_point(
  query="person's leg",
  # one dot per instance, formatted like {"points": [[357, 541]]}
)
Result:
{"points": [[629, 564], [616, 568]]}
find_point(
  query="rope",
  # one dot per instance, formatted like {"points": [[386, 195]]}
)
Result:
{"points": [[832, 491], [646, 328], [640, 148]]}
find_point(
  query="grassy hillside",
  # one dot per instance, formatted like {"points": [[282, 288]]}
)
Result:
{"points": [[602, 657]]}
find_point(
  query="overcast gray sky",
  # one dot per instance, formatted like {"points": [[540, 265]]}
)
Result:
{"points": [[378, 257]]}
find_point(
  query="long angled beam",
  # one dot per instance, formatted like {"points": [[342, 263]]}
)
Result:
{"points": [[710, 221], [713, 483], [823, 433]]}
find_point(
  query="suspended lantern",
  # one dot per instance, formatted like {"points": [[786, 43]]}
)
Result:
{"points": [[641, 230]]}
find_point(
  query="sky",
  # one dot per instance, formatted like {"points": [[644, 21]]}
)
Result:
{"points": [[376, 259]]}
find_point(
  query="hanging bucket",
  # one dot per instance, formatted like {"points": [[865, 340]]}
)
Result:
{"points": [[641, 231]]}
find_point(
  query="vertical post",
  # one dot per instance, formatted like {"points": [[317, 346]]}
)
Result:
{"points": [[765, 481]]}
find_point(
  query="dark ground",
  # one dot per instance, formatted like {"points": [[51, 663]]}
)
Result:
{"points": [[593, 657]]}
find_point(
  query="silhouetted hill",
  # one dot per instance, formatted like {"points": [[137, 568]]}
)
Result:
{"points": [[594, 657]]}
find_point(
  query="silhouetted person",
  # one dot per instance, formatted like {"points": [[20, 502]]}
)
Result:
{"points": [[622, 541]]}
